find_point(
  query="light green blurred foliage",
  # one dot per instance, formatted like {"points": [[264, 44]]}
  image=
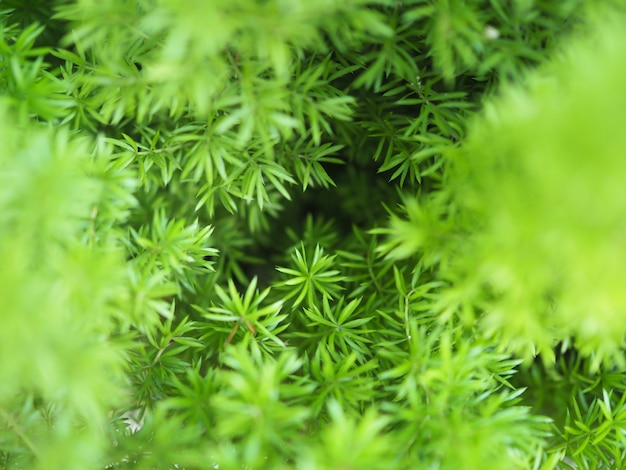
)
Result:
{"points": [[61, 368], [312, 234], [536, 235]]}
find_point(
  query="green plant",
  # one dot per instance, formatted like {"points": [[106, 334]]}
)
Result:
{"points": [[312, 234]]}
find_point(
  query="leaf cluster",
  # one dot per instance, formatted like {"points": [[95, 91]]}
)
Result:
{"points": [[311, 234]]}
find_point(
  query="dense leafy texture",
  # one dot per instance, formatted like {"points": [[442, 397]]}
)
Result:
{"points": [[312, 234]]}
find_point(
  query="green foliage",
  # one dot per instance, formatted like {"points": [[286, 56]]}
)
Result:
{"points": [[311, 278], [312, 234], [529, 211]]}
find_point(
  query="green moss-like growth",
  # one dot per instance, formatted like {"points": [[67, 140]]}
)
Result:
{"points": [[312, 234]]}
